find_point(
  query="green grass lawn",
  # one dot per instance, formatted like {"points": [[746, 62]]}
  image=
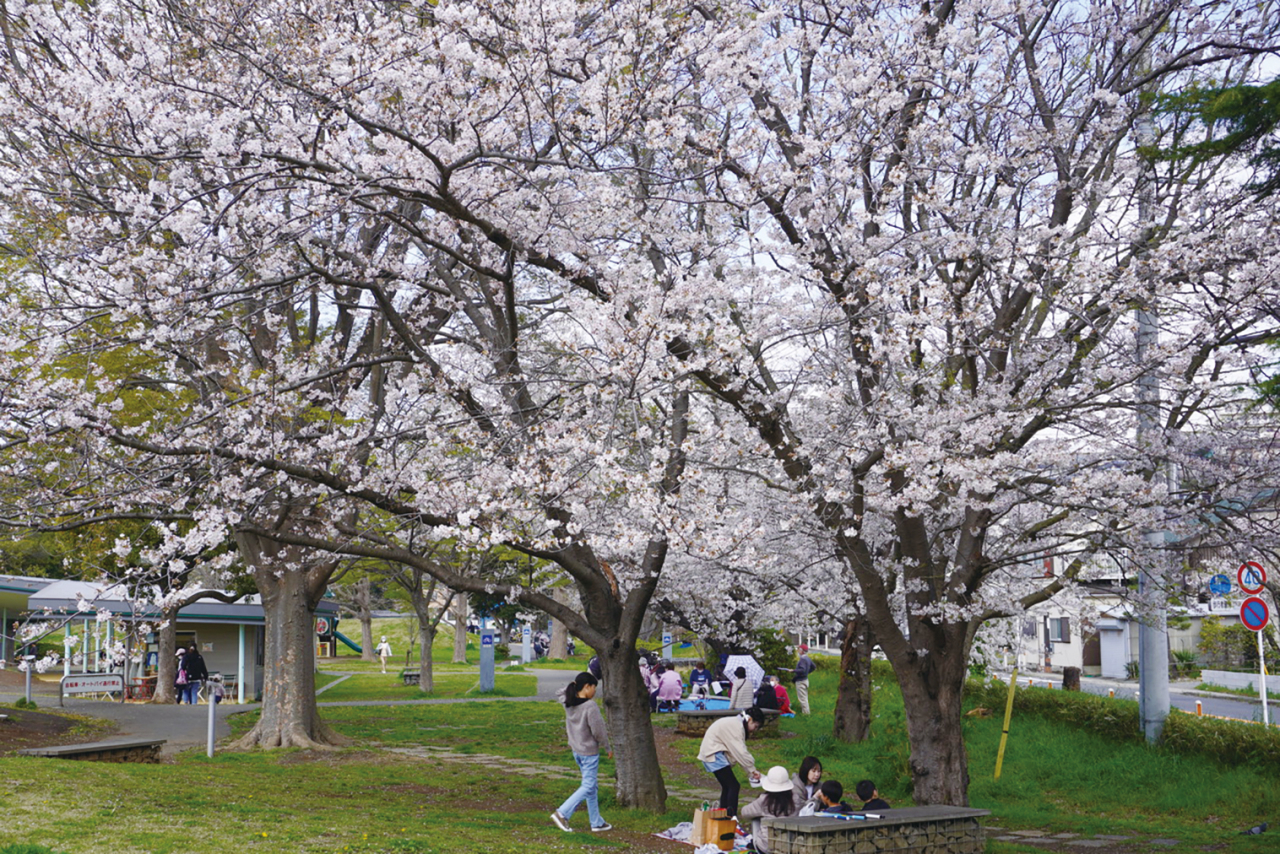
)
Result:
{"points": [[390, 687], [365, 798]]}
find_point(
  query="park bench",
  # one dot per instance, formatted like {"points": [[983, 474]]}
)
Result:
{"points": [[135, 750], [696, 721], [938, 830], [411, 677]]}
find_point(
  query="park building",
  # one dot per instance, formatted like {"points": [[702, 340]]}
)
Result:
{"points": [[230, 637]]}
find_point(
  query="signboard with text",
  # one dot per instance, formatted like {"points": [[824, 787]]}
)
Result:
{"points": [[91, 683]]}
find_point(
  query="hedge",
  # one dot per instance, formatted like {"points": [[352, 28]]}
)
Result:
{"points": [[1228, 742]]}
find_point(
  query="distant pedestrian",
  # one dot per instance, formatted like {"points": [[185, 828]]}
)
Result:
{"points": [[192, 673], [216, 689], [804, 666], [584, 727], [383, 649]]}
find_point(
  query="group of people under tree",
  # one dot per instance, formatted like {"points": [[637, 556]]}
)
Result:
{"points": [[801, 794], [723, 745], [666, 688]]}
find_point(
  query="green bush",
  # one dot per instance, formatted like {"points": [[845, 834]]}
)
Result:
{"points": [[773, 650], [1228, 742]]}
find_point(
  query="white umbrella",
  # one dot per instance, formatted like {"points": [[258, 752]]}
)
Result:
{"points": [[754, 671]]}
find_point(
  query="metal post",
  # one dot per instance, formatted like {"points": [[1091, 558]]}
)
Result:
{"points": [[1008, 713], [213, 707], [486, 659], [31, 664], [526, 644], [66, 650], [1262, 680], [240, 671]]}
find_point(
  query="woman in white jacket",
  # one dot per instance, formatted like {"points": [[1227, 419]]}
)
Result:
{"points": [[742, 693], [725, 743]]}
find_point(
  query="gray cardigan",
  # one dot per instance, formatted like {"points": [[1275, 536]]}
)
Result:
{"points": [[584, 725]]}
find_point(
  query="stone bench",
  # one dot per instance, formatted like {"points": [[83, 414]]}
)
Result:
{"points": [[696, 722], [936, 830], [137, 750], [411, 677]]}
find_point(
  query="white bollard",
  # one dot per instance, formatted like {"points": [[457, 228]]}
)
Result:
{"points": [[213, 705]]}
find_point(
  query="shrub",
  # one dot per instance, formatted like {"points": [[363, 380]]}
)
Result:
{"points": [[1224, 647], [1228, 742], [773, 651]]}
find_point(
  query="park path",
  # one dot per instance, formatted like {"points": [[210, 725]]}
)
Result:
{"points": [[185, 727]]}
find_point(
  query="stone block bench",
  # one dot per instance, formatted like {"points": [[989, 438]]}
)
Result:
{"points": [[411, 677], [920, 830], [696, 722], [137, 750]]}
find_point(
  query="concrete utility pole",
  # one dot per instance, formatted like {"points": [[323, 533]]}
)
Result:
{"points": [[1153, 637]]}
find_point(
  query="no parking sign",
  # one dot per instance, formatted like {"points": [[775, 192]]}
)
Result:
{"points": [[1254, 614]]}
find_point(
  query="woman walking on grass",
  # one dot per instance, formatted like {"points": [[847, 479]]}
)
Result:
{"points": [[585, 728]]}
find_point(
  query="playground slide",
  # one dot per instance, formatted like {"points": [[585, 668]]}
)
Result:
{"points": [[340, 636]]}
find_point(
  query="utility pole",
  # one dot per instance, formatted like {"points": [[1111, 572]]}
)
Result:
{"points": [[1153, 637]]}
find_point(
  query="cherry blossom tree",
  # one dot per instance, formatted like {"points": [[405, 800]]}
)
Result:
{"points": [[937, 225], [497, 269]]}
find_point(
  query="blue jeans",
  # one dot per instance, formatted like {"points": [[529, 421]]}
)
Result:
{"points": [[187, 693], [588, 791]]}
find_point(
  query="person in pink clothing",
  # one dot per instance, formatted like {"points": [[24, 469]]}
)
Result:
{"points": [[670, 688]]}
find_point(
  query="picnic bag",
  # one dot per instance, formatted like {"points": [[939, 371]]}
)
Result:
{"points": [[715, 827], [182, 677]]}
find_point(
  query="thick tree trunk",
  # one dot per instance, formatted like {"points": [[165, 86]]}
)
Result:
{"points": [[853, 698], [426, 640], [932, 692], [559, 634], [289, 715], [166, 658], [364, 613], [626, 704], [460, 629]]}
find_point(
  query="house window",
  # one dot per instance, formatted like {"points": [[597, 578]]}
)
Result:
{"points": [[1058, 629]]}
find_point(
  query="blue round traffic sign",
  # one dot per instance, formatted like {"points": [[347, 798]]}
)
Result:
{"points": [[1254, 614], [1219, 585]]}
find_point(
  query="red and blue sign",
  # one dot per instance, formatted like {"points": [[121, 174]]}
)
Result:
{"points": [[1252, 577], [1254, 614]]}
